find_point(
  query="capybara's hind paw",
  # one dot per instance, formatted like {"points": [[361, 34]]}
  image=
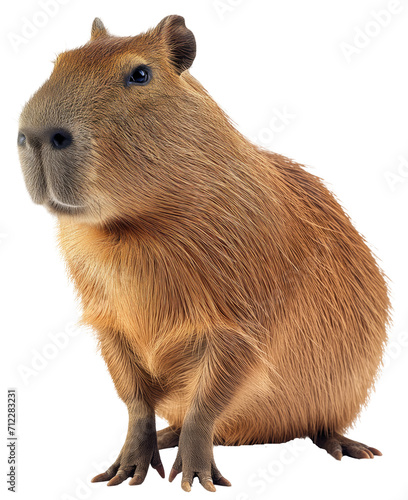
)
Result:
{"points": [[168, 438], [338, 446]]}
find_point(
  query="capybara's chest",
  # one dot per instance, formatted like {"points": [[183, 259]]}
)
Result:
{"points": [[123, 291]]}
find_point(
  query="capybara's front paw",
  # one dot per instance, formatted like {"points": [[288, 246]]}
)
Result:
{"points": [[139, 451], [195, 458]]}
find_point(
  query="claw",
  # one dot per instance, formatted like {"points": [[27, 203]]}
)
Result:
{"points": [[116, 480], [173, 474], [136, 479], [221, 481], [100, 477], [186, 486], [358, 453], [209, 485], [160, 470]]}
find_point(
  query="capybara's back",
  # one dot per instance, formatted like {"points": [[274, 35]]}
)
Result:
{"points": [[322, 306], [230, 292]]}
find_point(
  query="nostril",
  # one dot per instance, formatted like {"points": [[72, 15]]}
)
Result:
{"points": [[61, 139], [21, 139]]}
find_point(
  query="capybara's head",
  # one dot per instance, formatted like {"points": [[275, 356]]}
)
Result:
{"points": [[105, 134]]}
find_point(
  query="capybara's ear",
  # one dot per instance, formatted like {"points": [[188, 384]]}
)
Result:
{"points": [[180, 41], [98, 29]]}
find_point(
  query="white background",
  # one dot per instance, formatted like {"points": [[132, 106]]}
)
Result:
{"points": [[348, 124]]}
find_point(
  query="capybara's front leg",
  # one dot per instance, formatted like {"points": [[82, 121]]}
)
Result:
{"points": [[195, 454], [228, 356], [138, 391], [139, 451]]}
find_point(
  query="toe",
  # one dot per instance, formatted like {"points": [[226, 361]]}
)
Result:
{"points": [[208, 485], [160, 469], [374, 451], [107, 475], [101, 477], [139, 475], [121, 475], [362, 454], [357, 452], [333, 447], [217, 477], [206, 481], [187, 480], [116, 480], [173, 474], [221, 481], [186, 486], [137, 479]]}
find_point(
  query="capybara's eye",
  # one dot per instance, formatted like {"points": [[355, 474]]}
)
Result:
{"points": [[139, 76]]}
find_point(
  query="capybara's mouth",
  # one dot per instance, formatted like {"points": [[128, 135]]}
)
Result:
{"points": [[50, 181], [59, 207]]}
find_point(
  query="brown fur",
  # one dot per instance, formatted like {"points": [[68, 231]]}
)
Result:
{"points": [[218, 275]]}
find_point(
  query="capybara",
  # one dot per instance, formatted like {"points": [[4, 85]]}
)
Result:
{"points": [[230, 293]]}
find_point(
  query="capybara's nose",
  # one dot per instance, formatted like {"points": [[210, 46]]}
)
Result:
{"points": [[58, 138]]}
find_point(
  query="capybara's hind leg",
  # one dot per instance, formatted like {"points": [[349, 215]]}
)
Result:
{"points": [[168, 438], [339, 446]]}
